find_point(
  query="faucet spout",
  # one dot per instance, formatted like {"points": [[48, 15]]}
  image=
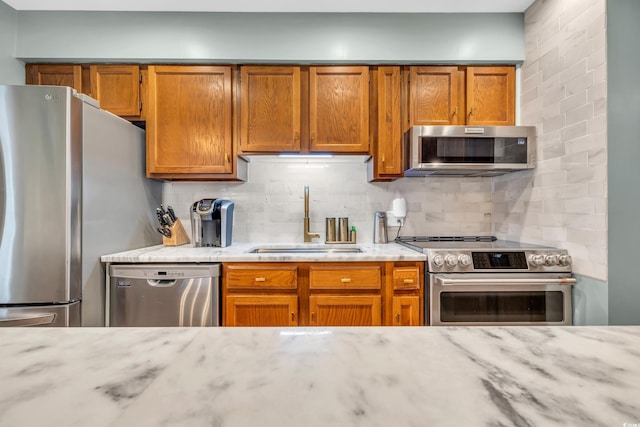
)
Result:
{"points": [[308, 236]]}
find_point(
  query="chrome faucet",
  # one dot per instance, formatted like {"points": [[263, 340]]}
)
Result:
{"points": [[307, 234]]}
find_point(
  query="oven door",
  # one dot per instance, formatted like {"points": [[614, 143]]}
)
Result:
{"points": [[500, 299]]}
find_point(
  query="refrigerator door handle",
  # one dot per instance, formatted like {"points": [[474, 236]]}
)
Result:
{"points": [[38, 319]]}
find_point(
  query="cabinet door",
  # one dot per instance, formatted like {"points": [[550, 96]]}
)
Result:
{"points": [[388, 151], [491, 96], [434, 97], [55, 75], [339, 310], [189, 120], [339, 109], [406, 311], [270, 109], [261, 310], [117, 87]]}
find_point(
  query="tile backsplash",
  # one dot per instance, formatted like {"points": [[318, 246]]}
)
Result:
{"points": [[269, 207]]}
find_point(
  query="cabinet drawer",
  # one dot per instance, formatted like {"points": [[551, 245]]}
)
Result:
{"points": [[344, 277], [406, 278], [247, 277]]}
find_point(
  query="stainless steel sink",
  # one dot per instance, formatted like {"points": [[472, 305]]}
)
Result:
{"points": [[306, 250]]}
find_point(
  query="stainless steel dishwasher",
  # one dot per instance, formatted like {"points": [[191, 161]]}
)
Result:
{"points": [[164, 295]]}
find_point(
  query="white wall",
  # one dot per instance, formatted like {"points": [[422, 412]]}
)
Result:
{"points": [[563, 202], [623, 151], [269, 207], [269, 37], [11, 70]]}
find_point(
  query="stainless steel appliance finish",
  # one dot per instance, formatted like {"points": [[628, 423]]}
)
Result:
{"points": [[485, 281], [380, 227], [72, 188], [165, 295], [212, 223], [468, 150]]}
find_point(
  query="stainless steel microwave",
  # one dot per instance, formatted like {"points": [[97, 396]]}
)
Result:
{"points": [[469, 150]]}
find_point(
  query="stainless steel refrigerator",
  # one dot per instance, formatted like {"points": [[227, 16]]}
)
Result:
{"points": [[72, 188]]}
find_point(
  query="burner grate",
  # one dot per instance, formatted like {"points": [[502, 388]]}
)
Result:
{"points": [[447, 238]]}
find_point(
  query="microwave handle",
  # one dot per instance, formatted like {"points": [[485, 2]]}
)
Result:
{"points": [[560, 281]]}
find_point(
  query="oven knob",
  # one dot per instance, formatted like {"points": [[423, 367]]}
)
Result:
{"points": [[536, 260], [564, 260], [451, 260], [464, 260], [438, 261], [551, 260]]}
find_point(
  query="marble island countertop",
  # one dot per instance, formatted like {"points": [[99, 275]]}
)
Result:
{"points": [[242, 252], [429, 376]]}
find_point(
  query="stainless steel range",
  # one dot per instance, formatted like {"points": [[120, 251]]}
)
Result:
{"points": [[484, 281]]}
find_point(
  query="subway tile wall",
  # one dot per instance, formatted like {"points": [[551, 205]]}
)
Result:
{"points": [[269, 207], [563, 202]]}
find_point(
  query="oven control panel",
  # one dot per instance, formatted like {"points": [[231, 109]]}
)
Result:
{"points": [[460, 261]]}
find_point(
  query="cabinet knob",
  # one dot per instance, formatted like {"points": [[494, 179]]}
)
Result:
{"points": [[296, 136], [455, 111], [227, 157], [260, 279], [293, 316], [313, 316], [345, 280], [313, 135], [383, 160], [471, 111], [398, 317]]}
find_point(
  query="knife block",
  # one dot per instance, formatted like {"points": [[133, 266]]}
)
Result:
{"points": [[178, 235]]}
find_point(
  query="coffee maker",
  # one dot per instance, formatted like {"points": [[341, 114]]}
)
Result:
{"points": [[212, 223]]}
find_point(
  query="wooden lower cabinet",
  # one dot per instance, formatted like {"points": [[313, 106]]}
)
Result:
{"points": [[406, 311], [345, 310], [261, 310], [322, 293]]}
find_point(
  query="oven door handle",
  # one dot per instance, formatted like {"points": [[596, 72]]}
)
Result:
{"points": [[558, 281]]}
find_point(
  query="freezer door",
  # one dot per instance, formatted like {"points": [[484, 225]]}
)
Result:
{"points": [[42, 316], [40, 183], [169, 295]]}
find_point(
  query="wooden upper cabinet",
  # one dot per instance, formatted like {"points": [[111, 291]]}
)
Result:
{"points": [[339, 109], [55, 75], [434, 96], [189, 123], [491, 96], [270, 109], [117, 87], [387, 128]]}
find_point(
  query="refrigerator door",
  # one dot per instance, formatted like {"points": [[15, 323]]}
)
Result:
{"points": [[42, 316], [40, 188]]}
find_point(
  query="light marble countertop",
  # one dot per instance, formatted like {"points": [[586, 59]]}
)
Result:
{"points": [[241, 252], [426, 376]]}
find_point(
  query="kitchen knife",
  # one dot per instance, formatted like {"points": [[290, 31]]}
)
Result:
{"points": [[171, 213], [164, 231], [167, 219], [159, 213]]}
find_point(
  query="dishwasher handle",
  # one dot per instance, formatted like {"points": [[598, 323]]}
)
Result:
{"points": [[162, 283]]}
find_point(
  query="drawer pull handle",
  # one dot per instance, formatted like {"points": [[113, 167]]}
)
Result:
{"points": [[260, 279], [408, 281], [345, 280]]}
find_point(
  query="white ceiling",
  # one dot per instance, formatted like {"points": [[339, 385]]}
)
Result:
{"points": [[374, 6]]}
